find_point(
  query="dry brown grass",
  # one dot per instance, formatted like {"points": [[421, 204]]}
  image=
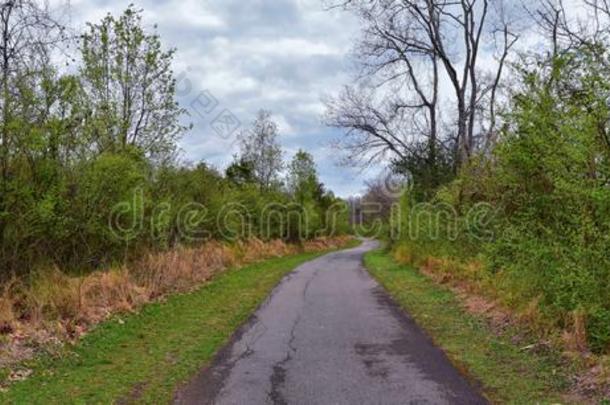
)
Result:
{"points": [[53, 307], [575, 338]]}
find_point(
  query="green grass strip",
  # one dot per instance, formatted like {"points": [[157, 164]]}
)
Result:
{"points": [[507, 373], [146, 356]]}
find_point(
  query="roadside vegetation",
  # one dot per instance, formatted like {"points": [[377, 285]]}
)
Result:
{"points": [[523, 373], [56, 309], [145, 356]]}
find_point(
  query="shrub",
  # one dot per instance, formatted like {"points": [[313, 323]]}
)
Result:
{"points": [[545, 235]]}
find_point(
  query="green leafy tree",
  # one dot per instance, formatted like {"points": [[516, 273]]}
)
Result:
{"points": [[303, 181], [260, 147], [130, 87], [305, 188], [241, 172], [26, 33]]}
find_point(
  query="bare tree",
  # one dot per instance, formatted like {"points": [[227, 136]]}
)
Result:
{"points": [[581, 23], [551, 19], [26, 32], [403, 88], [379, 195], [408, 43], [506, 37], [373, 131]]}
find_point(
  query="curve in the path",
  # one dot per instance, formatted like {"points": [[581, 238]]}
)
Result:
{"points": [[329, 334]]}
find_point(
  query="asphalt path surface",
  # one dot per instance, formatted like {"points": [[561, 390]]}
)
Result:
{"points": [[329, 334]]}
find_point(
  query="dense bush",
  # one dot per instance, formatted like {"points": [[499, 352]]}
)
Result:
{"points": [[119, 204], [537, 209]]}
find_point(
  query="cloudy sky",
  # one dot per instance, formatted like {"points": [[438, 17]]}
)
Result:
{"points": [[235, 57]]}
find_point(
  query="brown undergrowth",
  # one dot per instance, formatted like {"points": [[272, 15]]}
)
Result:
{"points": [[480, 295], [41, 314]]}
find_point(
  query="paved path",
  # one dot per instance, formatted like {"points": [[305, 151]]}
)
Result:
{"points": [[329, 334]]}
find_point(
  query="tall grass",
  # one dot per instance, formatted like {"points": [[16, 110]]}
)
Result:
{"points": [[52, 307]]}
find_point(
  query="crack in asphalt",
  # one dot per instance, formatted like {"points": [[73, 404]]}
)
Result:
{"points": [[306, 288], [278, 376], [249, 343]]}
